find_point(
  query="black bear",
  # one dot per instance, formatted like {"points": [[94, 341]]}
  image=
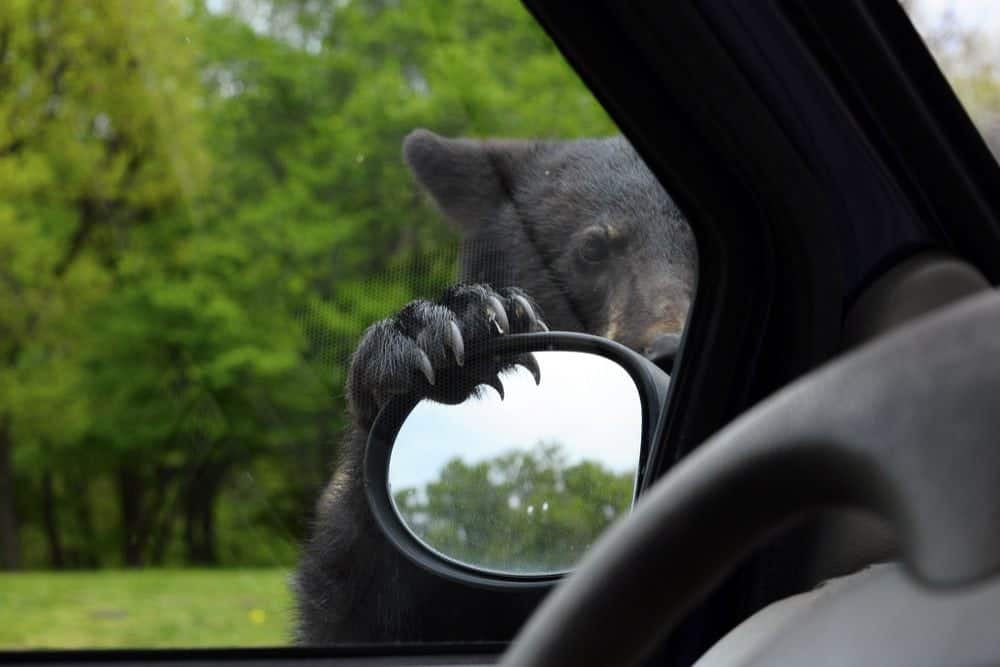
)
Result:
{"points": [[576, 235]]}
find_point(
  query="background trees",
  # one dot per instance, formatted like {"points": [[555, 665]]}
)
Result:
{"points": [[202, 204], [99, 146], [965, 47], [524, 511]]}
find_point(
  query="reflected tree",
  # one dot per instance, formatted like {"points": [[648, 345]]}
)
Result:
{"points": [[523, 511]]}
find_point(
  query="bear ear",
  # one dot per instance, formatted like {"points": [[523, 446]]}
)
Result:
{"points": [[470, 180]]}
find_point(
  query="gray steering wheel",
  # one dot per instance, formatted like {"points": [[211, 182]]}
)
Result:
{"points": [[907, 427]]}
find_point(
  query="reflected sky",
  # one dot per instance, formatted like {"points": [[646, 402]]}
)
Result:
{"points": [[586, 403]]}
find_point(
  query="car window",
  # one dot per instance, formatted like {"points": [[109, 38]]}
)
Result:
{"points": [[208, 211], [963, 37]]}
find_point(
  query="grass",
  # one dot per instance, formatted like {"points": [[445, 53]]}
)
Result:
{"points": [[144, 609]]}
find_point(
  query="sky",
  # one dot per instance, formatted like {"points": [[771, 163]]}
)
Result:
{"points": [[587, 403], [982, 14]]}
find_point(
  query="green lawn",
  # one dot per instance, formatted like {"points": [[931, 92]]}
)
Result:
{"points": [[144, 608]]}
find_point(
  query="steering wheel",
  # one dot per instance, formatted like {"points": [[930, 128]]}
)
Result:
{"points": [[906, 427]]}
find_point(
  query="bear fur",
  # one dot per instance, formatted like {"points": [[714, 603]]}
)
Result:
{"points": [[576, 235]]}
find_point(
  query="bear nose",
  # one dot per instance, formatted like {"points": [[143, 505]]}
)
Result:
{"points": [[662, 350]]}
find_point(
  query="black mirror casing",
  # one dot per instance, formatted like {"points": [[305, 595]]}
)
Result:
{"points": [[651, 383]]}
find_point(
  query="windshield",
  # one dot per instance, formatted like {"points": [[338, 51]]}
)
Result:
{"points": [[213, 214]]}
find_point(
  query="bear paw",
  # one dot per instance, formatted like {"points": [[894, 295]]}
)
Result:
{"points": [[423, 347]]}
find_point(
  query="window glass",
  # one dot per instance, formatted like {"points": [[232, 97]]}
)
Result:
{"points": [[204, 206], [964, 36]]}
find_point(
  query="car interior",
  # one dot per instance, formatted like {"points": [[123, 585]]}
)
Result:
{"points": [[820, 481], [896, 621]]}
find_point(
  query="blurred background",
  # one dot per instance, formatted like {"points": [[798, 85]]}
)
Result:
{"points": [[964, 37], [202, 205]]}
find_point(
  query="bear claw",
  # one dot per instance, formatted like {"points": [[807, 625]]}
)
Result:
{"points": [[496, 384], [498, 315], [456, 343], [425, 366], [531, 364]]}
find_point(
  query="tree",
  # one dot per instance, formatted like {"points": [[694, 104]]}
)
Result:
{"points": [[97, 139], [202, 206], [969, 58], [524, 511]]}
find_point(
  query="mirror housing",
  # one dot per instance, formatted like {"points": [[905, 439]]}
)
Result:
{"points": [[651, 384]]}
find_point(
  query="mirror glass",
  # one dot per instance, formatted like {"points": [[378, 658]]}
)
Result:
{"points": [[522, 484]]}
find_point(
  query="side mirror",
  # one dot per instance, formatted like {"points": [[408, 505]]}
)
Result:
{"points": [[512, 482]]}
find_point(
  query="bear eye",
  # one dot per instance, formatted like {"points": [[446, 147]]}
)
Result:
{"points": [[595, 247]]}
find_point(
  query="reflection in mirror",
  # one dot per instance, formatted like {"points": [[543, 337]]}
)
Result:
{"points": [[522, 484]]}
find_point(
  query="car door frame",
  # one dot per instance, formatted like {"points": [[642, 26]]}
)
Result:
{"points": [[846, 135]]}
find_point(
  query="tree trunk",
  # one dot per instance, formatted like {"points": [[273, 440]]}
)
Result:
{"points": [[163, 530], [50, 521], [10, 551], [199, 513], [130, 500], [143, 498], [88, 555], [206, 525], [161, 540]]}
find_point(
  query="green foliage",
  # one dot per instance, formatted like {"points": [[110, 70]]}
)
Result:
{"points": [[90, 148], [524, 511], [202, 206]]}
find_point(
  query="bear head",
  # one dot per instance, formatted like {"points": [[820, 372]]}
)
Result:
{"points": [[582, 225]]}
